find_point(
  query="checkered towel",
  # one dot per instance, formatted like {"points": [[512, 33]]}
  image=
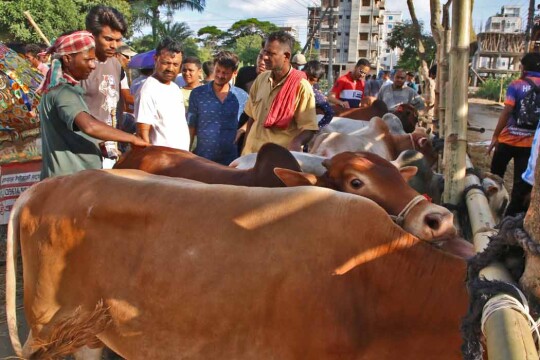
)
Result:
{"points": [[68, 44]]}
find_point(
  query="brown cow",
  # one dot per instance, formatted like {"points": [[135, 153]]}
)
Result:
{"points": [[407, 114], [382, 182], [161, 160], [161, 268], [367, 174], [375, 138]]}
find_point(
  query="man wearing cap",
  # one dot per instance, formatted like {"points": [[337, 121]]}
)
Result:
{"points": [[103, 86], [349, 89], [69, 132], [298, 60], [126, 105]]}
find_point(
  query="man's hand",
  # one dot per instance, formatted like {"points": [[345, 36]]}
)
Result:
{"points": [[137, 141], [295, 146], [345, 104], [239, 134], [494, 143]]}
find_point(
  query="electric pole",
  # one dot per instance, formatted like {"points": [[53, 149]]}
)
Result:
{"points": [[331, 48], [530, 19]]}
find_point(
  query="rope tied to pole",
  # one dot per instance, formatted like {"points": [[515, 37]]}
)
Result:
{"points": [[505, 301], [508, 248]]}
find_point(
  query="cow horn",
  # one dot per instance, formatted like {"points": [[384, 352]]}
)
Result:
{"points": [[327, 163]]}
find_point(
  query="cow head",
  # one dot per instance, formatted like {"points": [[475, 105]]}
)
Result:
{"points": [[422, 142], [408, 116], [496, 193], [371, 176]]}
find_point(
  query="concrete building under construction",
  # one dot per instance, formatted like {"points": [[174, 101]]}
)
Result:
{"points": [[349, 30]]}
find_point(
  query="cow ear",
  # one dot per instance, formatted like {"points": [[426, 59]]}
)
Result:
{"points": [[407, 172], [294, 178], [422, 142], [428, 131], [491, 190], [327, 163]]}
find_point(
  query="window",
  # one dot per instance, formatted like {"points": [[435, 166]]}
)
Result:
{"points": [[388, 51], [362, 53], [347, 34], [339, 33], [338, 51], [390, 26], [346, 50], [390, 17], [364, 19], [366, 2], [385, 58], [348, 17], [340, 16], [363, 36]]}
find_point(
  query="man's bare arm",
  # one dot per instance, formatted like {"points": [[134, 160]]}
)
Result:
{"points": [[99, 130]]}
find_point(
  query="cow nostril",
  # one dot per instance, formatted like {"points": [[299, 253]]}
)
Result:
{"points": [[433, 221]]}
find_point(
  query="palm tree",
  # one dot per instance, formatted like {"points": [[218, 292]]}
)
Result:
{"points": [[177, 31], [147, 12]]}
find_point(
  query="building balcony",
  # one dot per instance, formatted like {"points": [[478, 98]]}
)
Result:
{"points": [[365, 28], [326, 43], [381, 4]]}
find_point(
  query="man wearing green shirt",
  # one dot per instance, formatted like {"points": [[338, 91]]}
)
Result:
{"points": [[70, 135]]}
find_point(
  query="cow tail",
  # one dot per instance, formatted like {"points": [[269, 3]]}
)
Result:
{"points": [[11, 277]]}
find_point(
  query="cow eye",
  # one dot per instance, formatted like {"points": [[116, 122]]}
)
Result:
{"points": [[356, 183]]}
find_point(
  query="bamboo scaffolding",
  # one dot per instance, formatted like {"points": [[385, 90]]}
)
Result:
{"points": [[508, 336]]}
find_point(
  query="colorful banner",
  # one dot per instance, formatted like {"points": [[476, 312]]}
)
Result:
{"points": [[14, 180]]}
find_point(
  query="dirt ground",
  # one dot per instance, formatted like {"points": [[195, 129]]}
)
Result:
{"points": [[482, 113]]}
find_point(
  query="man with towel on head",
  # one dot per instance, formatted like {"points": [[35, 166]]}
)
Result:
{"points": [[69, 133], [281, 104]]}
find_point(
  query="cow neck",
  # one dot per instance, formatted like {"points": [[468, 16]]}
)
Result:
{"points": [[401, 143]]}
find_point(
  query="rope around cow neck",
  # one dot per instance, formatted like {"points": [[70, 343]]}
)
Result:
{"points": [[505, 301], [400, 218], [412, 141]]}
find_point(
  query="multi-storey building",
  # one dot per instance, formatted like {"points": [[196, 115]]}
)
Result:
{"points": [[507, 21], [291, 30], [355, 25], [388, 58]]}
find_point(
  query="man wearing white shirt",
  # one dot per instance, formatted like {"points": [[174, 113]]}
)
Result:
{"points": [[159, 106]]}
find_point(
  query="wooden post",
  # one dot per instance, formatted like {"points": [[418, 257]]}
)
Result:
{"points": [[530, 279], [38, 30], [457, 109]]}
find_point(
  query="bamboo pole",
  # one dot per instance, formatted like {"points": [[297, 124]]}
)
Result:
{"points": [[455, 133], [508, 336], [36, 27]]}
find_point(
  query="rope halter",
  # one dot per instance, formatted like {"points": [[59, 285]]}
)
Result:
{"points": [[400, 218]]}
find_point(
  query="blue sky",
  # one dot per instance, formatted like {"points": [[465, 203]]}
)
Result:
{"points": [[223, 13]]}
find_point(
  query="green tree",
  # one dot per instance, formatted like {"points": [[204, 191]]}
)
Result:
{"points": [[190, 47], [247, 48], [210, 36], [142, 44], [178, 31], [148, 12], [54, 17], [251, 26], [404, 37]]}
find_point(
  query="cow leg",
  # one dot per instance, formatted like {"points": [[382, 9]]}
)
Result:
{"points": [[86, 353]]}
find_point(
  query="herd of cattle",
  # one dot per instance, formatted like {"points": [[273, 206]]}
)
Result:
{"points": [[333, 254]]}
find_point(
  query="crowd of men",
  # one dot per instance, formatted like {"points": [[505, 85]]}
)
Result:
{"points": [[214, 109]]}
